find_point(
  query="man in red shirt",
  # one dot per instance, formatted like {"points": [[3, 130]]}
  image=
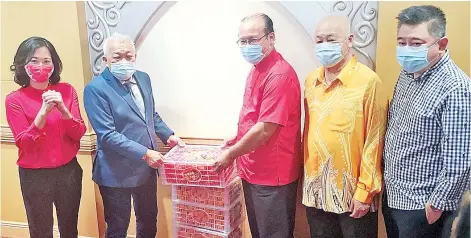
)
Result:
{"points": [[267, 144]]}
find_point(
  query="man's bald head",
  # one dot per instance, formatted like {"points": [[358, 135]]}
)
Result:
{"points": [[333, 27], [258, 21], [257, 29]]}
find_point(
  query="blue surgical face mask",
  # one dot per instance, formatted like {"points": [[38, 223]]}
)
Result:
{"points": [[329, 54], [123, 70], [252, 53], [413, 59]]}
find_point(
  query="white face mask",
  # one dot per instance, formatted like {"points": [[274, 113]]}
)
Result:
{"points": [[329, 54], [413, 59], [123, 70], [252, 53]]}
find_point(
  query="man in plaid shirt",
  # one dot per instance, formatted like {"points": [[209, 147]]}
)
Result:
{"points": [[427, 144]]}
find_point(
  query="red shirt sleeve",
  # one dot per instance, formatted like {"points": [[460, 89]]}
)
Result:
{"points": [[75, 127], [275, 100], [26, 135]]}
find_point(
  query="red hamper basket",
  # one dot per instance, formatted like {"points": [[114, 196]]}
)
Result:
{"points": [[182, 231], [192, 165], [209, 196], [220, 220]]}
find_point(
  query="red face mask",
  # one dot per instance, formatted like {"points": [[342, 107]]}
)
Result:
{"points": [[39, 73]]}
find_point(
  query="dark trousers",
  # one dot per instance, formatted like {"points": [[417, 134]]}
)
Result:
{"points": [[271, 210], [413, 224], [463, 220], [41, 188], [331, 225], [117, 206]]}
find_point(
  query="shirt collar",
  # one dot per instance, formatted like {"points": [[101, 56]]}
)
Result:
{"points": [[130, 80], [436, 68], [267, 60], [344, 75]]}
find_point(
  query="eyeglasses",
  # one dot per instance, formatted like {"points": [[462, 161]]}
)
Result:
{"points": [[242, 42]]}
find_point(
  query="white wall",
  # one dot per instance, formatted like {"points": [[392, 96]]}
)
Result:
{"points": [[197, 72]]}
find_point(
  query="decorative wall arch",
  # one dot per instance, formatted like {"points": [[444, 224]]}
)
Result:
{"points": [[135, 18]]}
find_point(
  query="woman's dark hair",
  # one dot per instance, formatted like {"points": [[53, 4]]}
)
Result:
{"points": [[24, 54]]}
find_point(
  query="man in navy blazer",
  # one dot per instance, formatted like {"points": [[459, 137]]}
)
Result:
{"points": [[120, 107]]}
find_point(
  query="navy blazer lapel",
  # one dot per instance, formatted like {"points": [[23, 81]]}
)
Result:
{"points": [[122, 91]]}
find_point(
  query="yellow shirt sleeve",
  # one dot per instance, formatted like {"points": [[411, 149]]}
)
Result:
{"points": [[371, 178], [308, 83]]}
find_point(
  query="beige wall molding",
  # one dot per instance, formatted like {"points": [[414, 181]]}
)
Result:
{"points": [[21, 229], [87, 143]]}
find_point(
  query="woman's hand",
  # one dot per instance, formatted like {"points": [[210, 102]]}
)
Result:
{"points": [[54, 97], [46, 108]]}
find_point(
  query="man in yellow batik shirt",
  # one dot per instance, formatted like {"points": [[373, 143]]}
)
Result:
{"points": [[343, 137]]}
